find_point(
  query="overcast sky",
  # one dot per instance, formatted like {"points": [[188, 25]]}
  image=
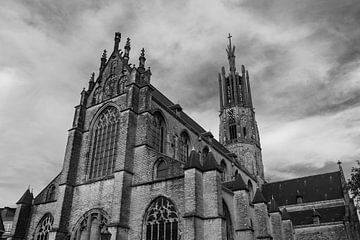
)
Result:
{"points": [[303, 59]]}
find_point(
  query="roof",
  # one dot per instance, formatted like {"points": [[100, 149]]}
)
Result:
{"points": [[210, 163], [193, 161], [237, 184], [273, 207], [333, 214], [311, 188], [285, 215], [26, 198], [259, 197]]}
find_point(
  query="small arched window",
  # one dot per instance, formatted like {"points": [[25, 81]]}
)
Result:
{"points": [[50, 195], [121, 86], [232, 129], [161, 220], [97, 96], [224, 170], [184, 146], [236, 173], [158, 132], [204, 154], [161, 169], [251, 191], [44, 227], [105, 134], [228, 223]]}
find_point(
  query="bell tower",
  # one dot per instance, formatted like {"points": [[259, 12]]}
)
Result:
{"points": [[238, 130]]}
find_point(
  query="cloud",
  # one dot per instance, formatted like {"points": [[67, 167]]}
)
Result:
{"points": [[303, 59]]}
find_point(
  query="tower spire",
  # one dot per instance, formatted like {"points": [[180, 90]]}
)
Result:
{"points": [[231, 55]]}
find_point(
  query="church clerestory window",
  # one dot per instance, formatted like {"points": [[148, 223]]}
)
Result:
{"points": [[161, 220], [228, 224], [104, 147], [50, 195], [44, 227], [184, 146], [158, 132], [161, 169], [224, 171]]}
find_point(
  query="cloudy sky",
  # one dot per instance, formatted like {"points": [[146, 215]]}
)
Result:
{"points": [[303, 58]]}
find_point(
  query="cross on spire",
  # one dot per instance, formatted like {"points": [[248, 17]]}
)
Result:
{"points": [[229, 37]]}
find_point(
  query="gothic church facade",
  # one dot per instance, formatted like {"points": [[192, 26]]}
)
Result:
{"points": [[137, 167]]}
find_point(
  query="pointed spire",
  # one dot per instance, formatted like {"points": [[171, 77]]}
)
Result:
{"points": [[127, 48], [273, 207], [259, 197], [103, 61], [210, 163], [231, 55], [193, 161], [117, 41], [142, 59], [26, 198], [285, 215]]}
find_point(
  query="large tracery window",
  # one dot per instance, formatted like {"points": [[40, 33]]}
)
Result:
{"points": [[184, 146], [161, 221], [158, 132], [104, 147], [90, 225], [44, 227]]}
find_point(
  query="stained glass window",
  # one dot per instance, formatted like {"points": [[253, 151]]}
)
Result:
{"points": [[90, 226], [161, 220], [104, 147]]}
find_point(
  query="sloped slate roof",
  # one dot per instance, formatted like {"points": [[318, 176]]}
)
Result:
{"points": [[272, 206], [332, 214], [210, 163], [193, 161], [26, 198], [259, 197], [285, 215], [312, 188], [237, 184]]}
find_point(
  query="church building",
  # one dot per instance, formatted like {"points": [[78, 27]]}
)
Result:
{"points": [[137, 167]]}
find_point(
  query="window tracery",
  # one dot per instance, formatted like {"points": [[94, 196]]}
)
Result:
{"points": [[104, 147], [158, 132], [184, 146], [90, 225], [97, 96], [161, 220], [110, 87], [44, 227]]}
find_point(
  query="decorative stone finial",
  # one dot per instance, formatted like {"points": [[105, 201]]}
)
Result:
{"points": [[117, 41]]}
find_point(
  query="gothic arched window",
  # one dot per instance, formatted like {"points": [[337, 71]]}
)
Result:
{"points": [[105, 135], [161, 220], [110, 87], [121, 87], [232, 129], [44, 227], [228, 224], [90, 225], [204, 154], [184, 146], [224, 171], [158, 132], [161, 169]]}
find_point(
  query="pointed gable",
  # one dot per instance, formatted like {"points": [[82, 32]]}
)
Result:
{"points": [[210, 163], [285, 215], [273, 207], [193, 161], [237, 184], [259, 197], [26, 198]]}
